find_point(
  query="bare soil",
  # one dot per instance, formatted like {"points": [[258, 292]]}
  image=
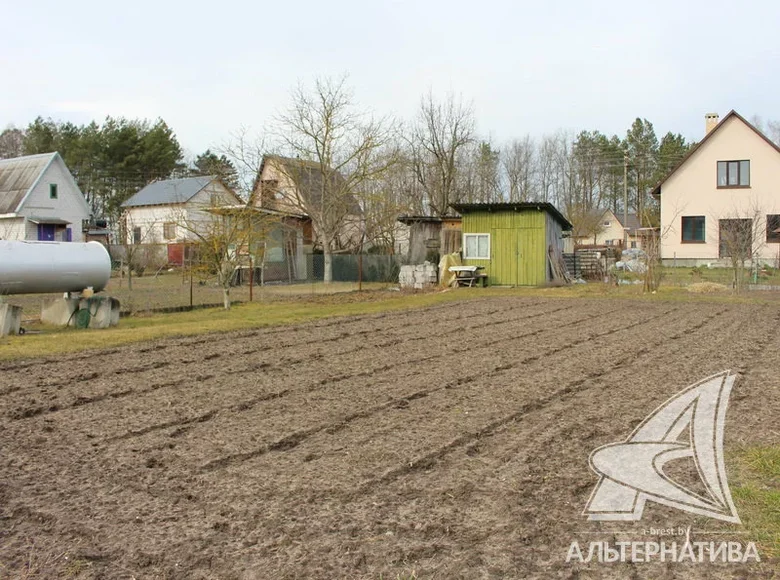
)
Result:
{"points": [[447, 442]]}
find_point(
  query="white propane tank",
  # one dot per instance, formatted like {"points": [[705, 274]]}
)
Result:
{"points": [[48, 267]]}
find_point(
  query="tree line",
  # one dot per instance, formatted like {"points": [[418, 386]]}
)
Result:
{"points": [[416, 166]]}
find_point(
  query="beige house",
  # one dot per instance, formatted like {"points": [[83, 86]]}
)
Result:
{"points": [[609, 230], [275, 189], [729, 183]]}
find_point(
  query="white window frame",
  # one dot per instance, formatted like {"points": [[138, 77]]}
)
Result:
{"points": [[466, 257]]}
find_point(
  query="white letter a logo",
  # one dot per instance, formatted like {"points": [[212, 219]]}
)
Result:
{"points": [[632, 472]]}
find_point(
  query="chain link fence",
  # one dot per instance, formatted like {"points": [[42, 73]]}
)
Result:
{"points": [[169, 277]]}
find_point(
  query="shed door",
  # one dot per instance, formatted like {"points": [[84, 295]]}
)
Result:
{"points": [[531, 257], [503, 257]]}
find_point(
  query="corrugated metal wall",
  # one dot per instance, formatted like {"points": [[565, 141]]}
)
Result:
{"points": [[518, 246]]}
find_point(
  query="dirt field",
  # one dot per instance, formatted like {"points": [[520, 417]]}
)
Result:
{"points": [[450, 442]]}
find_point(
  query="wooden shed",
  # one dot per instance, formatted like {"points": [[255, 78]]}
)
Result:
{"points": [[516, 243], [430, 237]]}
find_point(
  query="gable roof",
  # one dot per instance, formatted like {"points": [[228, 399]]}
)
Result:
{"points": [[656, 191], [18, 176], [169, 191], [463, 208], [632, 221], [307, 177]]}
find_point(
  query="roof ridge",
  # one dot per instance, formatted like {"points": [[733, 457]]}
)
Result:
{"points": [[29, 157], [656, 190]]}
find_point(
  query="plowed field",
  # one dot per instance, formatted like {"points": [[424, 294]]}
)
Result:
{"points": [[447, 442]]}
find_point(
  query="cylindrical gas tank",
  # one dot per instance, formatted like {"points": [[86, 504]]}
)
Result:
{"points": [[48, 267]]}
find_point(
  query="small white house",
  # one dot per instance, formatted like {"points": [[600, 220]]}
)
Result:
{"points": [[40, 200], [156, 214]]}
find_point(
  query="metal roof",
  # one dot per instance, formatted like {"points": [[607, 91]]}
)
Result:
{"points": [[462, 208], [48, 220], [413, 219], [18, 176], [169, 191]]}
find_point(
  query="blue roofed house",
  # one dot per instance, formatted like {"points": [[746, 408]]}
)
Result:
{"points": [[40, 200], [163, 215], [159, 213]]}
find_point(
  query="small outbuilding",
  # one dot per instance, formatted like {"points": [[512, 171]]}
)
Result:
{"points": [[431, 236], [517, 244]]}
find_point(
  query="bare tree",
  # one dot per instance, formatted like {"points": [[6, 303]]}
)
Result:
{"points": [[336, 150], [741, 240], [11, 142], [223, 237], [134, 238], [439, 134], [246, 152], [384, 199], [769, 128], [518, 163]]}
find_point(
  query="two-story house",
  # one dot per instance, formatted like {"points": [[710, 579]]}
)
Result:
{"points": [[728, 185], [295, 187]]}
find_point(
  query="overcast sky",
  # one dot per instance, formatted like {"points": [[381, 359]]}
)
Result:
{"points": [[207, 68]]}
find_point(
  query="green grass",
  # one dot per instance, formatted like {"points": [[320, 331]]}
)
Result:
{"points": [[54, 341], [757, 496], [682, 276]]}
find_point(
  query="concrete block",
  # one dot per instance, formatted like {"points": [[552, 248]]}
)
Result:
{"points": [[10, 319], [104, 311], [59, 311]]}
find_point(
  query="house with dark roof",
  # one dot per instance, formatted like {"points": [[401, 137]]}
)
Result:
{"points": [[728, 184], [156, 213], [40, 200], [604, 227], [295, 186], [165, 215]]}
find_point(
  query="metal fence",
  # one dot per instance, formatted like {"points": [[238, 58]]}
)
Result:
{"points": [[162, 278]]}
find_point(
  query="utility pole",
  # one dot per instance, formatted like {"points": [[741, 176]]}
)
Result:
{"points": [[625, 201]]}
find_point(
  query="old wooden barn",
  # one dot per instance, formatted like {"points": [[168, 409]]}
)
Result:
{"points": [[518, 244]]}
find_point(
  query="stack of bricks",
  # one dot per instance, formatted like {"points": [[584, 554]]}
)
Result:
{"points": [[419, 276]]}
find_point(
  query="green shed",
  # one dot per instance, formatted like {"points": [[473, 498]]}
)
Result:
{"points": [[512, 241]]}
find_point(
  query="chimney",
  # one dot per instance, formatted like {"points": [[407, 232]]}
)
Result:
{"points": [[710, 120]]}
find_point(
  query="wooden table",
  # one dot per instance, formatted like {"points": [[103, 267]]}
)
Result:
{"points": [[469, 275]]}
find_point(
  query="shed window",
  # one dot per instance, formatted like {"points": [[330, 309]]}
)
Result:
{"points": [[476, 246], [52, 191]]}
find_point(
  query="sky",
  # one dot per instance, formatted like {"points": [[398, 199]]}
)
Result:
{"points": [[210, 68]]}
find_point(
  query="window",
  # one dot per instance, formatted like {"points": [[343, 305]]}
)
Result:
{"points": [[633, 244], [733, 173], [773, 228], [693, 229], [136, 235], [52, 191], [169, 230], [476, 246], [215, 200], [606, 224]]}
